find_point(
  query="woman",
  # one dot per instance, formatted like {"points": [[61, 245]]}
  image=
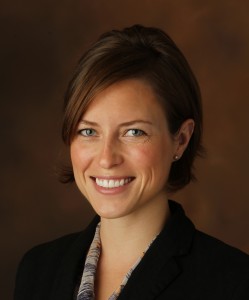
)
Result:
{"points": [[133, 122]]}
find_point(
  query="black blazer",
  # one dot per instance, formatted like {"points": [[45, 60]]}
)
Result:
{"points": [[182, 263]]}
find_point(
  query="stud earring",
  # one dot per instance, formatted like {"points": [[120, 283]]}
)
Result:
{"points": [[176, 157]]}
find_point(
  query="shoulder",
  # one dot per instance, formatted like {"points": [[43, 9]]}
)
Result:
{"points": [[45, 257], [214, 249], [45, 264], [225, 268], [202, 248], [39, 266], [53, 250], [206, 263], [56, 249]]}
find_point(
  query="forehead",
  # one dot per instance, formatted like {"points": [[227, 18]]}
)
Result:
{"points": [[127, 99]]}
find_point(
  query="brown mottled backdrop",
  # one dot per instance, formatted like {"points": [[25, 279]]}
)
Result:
{"points": [[41, 42]]}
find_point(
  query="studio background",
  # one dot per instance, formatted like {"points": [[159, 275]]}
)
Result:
{"points": [[41, 42]]}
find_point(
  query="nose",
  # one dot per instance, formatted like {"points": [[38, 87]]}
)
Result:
{"points": [[110, 155]]}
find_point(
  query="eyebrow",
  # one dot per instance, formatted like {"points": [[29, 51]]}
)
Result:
{"points": [[86, 122]]}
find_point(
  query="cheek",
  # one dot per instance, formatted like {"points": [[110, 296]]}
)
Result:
{"points": [[154, 158], [80, 157], [146, 155]]}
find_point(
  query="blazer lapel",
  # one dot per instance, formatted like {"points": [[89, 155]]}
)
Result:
{"points": [[158, 268], [72, 264]]}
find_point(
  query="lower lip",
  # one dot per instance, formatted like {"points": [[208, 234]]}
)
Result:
{"points": [[111, 191]]}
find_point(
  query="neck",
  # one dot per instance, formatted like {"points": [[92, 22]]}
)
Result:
{"points": [[129, 236]]}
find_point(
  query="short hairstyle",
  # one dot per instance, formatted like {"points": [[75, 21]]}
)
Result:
{"points": [[143, 53]]}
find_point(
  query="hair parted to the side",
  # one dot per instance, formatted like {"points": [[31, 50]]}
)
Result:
{"points": [[145, 53]]}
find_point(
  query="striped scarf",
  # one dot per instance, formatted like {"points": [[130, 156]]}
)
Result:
{"points": [[86, 289]]}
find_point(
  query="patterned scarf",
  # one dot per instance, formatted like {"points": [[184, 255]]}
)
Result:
{"points": [[86, 289]]}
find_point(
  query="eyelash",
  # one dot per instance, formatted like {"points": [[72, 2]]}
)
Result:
{"points": [[141, 132], [81, 132], [135, 132]]}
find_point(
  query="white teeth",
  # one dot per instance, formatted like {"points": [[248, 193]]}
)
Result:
{"points": [[105, 183], [112, 183]]}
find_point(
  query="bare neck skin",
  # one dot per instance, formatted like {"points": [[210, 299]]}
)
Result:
{"points": [[127, 237]]}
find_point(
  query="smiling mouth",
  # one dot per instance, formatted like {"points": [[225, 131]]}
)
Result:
{"points": [[112, 183]]}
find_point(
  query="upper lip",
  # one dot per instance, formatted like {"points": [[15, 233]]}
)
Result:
{"points": [[112, 177]]}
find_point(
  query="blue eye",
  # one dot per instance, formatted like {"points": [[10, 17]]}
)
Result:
{"points": [[135, 132], [87, 132]]}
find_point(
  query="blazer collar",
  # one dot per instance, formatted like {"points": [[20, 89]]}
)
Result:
{"points": [[156, 270]]}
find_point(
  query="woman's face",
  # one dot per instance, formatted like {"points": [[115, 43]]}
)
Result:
{"points": [[123, 150]]}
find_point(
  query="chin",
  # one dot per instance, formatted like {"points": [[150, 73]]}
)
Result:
{"points": [[110, 212]]}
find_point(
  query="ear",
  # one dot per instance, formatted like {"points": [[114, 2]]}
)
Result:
{"points": [[183, 137]]}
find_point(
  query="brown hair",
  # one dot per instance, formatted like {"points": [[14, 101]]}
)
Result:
{"points": [[146, 53]]}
